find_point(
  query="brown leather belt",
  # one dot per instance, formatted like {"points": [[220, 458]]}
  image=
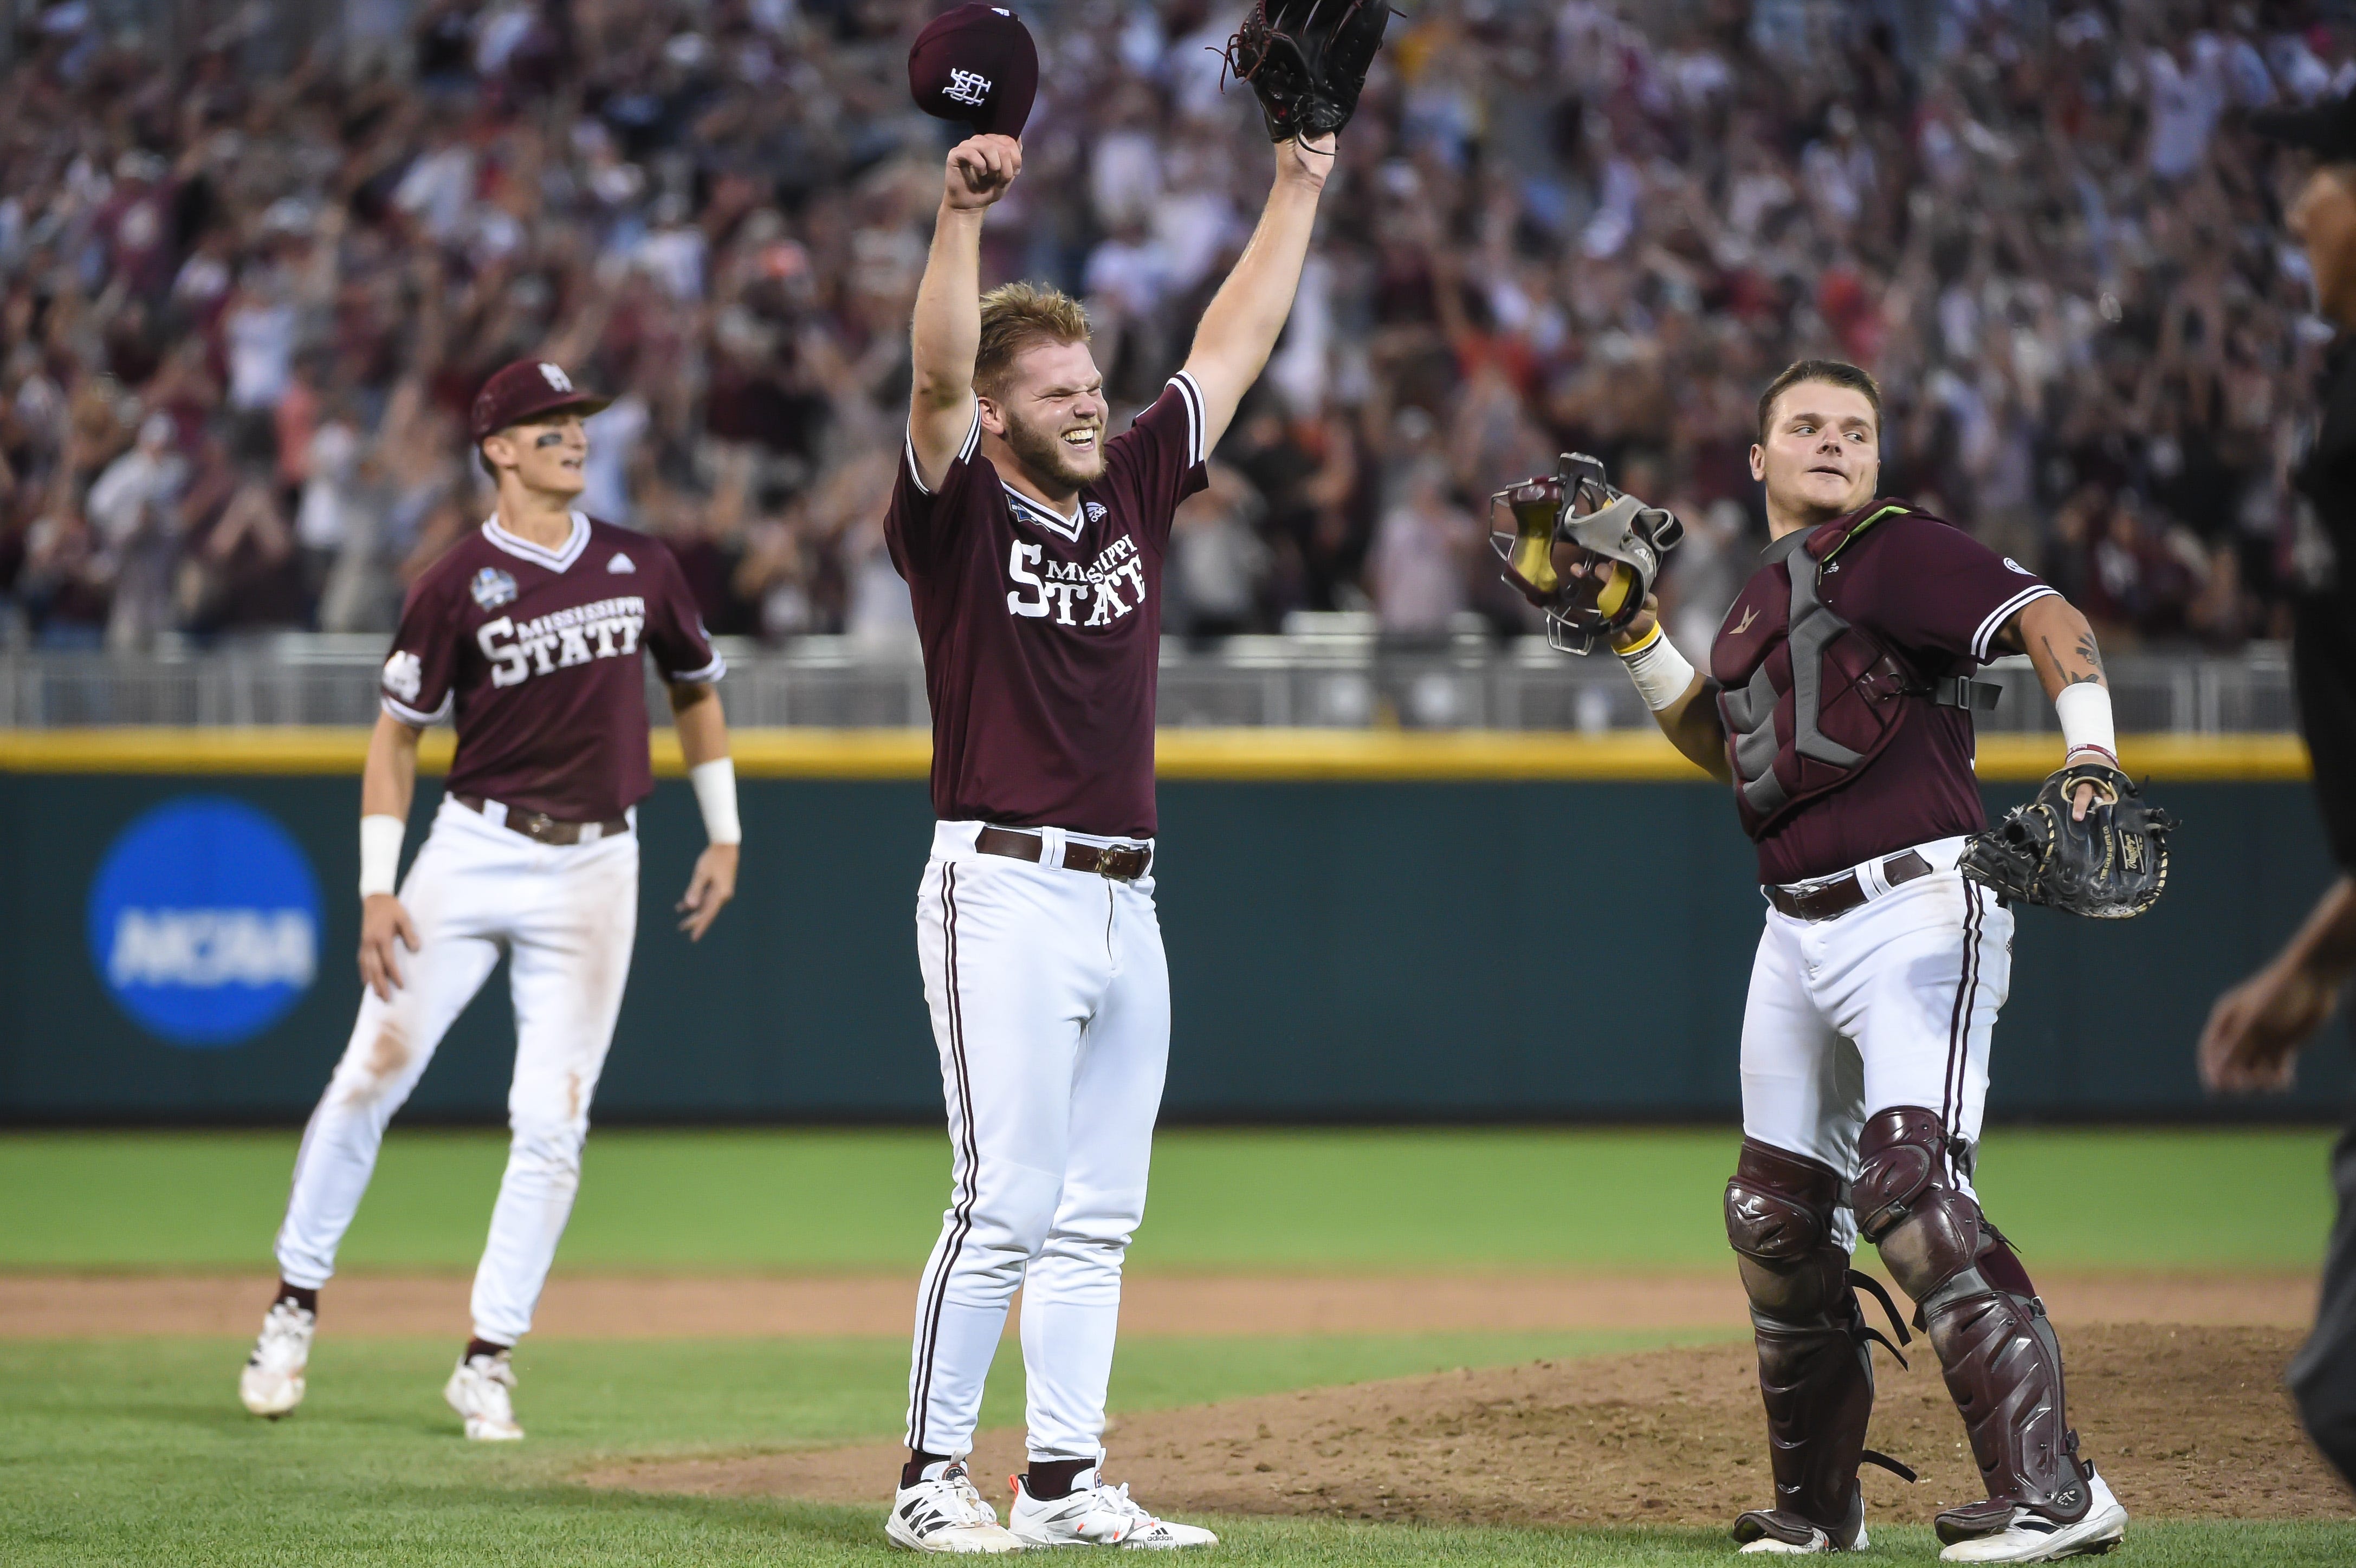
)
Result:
{"points": [[543, 828], [1116, 862], [1844, 893]]}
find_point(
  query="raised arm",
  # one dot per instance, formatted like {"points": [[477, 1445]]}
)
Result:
{"points": [[1239, 328], [1679, 696], [947, 333]]}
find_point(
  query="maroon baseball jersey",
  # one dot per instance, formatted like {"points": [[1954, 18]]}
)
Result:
{"points": [[1936, 597], [1042, 633], [536, 652]]}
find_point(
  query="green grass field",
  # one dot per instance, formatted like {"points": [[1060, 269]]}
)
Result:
{"points": [[134, 1451], [1399, 1202]]}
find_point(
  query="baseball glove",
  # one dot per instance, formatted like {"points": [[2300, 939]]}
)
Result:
{"points": [[1306, 61], [2110, 866]]}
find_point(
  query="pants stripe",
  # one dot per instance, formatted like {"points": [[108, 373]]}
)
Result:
{"points": [[962, 1210], [1959, 1022]]}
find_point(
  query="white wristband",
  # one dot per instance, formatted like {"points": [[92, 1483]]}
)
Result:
{"points": [[379, 853], [2085, 710], [715, 794], [1660, 672]]}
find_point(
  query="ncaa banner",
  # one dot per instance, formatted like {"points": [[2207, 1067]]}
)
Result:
{"points": [[204, 921]]}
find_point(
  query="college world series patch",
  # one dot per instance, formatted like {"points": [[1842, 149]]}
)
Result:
{"points": [[492, 588]]}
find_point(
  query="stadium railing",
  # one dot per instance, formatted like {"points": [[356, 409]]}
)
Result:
{"points": [[1334, 677]]}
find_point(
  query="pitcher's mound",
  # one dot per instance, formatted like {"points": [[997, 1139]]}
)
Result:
{"points": [[2185, 1423]]}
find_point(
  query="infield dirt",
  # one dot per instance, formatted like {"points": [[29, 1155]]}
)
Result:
{"points": [[635, 1307], [2185, 1422]]}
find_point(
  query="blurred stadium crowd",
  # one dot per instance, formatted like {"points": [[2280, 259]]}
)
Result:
{"points": [[251, 273]]}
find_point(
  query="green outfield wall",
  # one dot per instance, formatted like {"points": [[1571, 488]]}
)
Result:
{"points": [[1358, 929]]}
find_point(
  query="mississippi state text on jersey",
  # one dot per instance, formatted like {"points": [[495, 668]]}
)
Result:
{"points": [[1042, 633], [537, 652]]}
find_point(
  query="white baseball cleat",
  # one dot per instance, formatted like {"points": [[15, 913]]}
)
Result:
{"points": [[2033, 1538], [1097, 1515], [945, 1513], [482, 1390], [272, 1383], [1779, 1532]]}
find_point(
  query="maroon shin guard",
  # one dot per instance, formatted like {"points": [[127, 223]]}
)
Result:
{"points": [[1815, 1374], [2001, 1361]]}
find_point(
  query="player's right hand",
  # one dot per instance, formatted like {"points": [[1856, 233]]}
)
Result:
{"points": [[979, 170], [1635, 631], [385, 927]]}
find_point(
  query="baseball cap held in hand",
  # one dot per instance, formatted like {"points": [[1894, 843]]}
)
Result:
{"points": [[526, 390], [976, 64]]}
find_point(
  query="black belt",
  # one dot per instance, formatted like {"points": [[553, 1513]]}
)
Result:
{"points": [[1116, 862], [543, 828], [1845, 892]]}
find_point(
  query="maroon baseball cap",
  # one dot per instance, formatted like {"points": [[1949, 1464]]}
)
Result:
{"points": [[523, 391], [977, 64]]}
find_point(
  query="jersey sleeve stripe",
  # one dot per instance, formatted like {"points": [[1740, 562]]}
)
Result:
{"points": [[965, 452], [1192, 396], [710, 672], [408, 715], [2003, 613]]}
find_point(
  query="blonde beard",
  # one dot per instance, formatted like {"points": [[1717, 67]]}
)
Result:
{"points": [[1048, 461]]}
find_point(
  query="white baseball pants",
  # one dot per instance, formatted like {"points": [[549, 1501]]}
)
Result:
{"points": [[1890, 1004], [567, 916], [1049, 998]]}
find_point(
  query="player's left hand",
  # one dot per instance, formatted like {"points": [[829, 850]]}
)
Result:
{"points": [[712, 886], [1307, 160], [2255, 1029]]}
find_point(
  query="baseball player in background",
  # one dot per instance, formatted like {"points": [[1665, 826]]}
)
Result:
{"points": [[1034, 547], [528, 634], [1837, 703]]}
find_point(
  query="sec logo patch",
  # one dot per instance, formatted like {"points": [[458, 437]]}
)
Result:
{"points": [[203, 922]]}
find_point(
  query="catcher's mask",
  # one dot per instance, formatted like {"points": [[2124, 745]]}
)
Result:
{"points": [[1580, 550]]}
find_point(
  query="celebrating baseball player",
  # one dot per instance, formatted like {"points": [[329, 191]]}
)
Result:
{"points": [[1034, 547], [530, 632], [1837, 703]]}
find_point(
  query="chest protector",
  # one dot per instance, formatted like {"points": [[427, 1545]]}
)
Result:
{"points": [[1807, 710]]}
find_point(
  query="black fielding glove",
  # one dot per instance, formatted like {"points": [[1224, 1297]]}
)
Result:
{"points": [[2113, 865], [1306, 61]]}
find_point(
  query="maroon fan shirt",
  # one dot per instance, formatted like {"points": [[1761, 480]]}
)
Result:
{"points": [[1937, 597], [1042, 633], [537, 652]]}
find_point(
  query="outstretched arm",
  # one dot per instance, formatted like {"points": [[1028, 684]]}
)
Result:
{"points": [[947, 333], [1678, 694], [1239, 328]]}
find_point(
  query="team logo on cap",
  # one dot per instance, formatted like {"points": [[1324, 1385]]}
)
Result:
{"points": [[492, 587], [970, 88]]}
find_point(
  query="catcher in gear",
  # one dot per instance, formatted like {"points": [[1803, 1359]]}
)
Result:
{"points": [[1306, 61], [1838, 704]]}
